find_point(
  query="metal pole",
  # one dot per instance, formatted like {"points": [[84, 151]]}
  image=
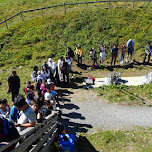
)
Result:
{"points": [[6, 23], [132, 4], [42, 10], [109, 4], [64, 8], [21, 15]]}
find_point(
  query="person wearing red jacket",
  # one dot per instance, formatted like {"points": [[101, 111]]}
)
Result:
{"points": [[123, 50]]}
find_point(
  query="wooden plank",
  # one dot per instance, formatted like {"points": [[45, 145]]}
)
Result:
{"points": [[41, 143], [45, 149], [28, 142]]}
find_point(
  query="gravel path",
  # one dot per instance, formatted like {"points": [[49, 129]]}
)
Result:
{"points": [[83, 111]]}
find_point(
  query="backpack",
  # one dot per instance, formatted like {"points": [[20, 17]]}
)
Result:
{"points": [[8, 131], [70, 53], [130, 45]]}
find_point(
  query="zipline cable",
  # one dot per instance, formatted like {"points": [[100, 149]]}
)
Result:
{"points": [[141, 18]]}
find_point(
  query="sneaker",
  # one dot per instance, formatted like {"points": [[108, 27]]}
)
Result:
{"points": [[93, 66], [102, 64], [131, 61], [99, 65], [72, 76], [127, 61], [96, 64]]}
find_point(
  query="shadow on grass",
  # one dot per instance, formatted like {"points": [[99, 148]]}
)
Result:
{"points": [[83, 145], [135, 97]]}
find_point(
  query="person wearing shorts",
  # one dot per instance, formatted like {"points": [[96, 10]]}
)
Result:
{"points": [[102, 54]]}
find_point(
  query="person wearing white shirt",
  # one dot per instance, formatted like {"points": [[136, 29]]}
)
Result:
{"points": [[60, 63]]}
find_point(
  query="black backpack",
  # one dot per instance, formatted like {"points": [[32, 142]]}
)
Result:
{"points": [[130, 44], [8, 131]]}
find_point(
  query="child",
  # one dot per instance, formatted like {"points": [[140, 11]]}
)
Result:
{"points": [[4, 108], [102, 49], [43, 89], [123, 50]]}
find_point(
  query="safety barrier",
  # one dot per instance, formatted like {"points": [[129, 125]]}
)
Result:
{"points": [[34, 139]]}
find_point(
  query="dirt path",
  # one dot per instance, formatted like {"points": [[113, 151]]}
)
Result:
{"points": [[83, 111]]}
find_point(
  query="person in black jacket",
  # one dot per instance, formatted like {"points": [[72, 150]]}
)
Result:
{"points": [[114, 53], [13, 85]]}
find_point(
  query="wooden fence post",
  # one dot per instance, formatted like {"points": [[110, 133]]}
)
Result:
{"points": [[42, 10], [87, 5], [6, 23], [21, 15], [109, 4], [64, 8], [132, 4]]}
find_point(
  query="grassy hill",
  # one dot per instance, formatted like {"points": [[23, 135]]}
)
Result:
{"points": [[29, 42], [37, 38]]}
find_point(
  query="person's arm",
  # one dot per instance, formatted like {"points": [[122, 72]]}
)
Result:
{"points": [[76, 51], [81, 52], [31, 124]]}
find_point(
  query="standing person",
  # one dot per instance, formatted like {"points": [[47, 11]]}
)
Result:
{"points": [[69, 52], [123, 50], [60, 63], [114, 53], [69, 61], [94, 56], [34, 73], [130, 46], [65, 71], [148, 50], [102, 49], [79, 52], [13, 85], [44, 64]]}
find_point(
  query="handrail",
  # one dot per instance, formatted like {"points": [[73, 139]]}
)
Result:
{"points": [[31, 134]]}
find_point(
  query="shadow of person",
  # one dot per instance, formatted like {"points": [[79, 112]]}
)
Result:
{"points": [[73, 127], [74, 115], [70, 106]]}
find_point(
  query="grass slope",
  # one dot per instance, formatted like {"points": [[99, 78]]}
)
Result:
{"points": [[37, 38], [138, 139]]}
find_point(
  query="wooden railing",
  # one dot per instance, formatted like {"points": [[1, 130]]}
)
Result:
{"points": [[34, 139]]}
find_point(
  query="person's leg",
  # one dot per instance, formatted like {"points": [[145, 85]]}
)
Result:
{"points": [[81, 59], [13, 97], [121, 57], [78, 58], [64, 76], [67, 74], [115, 60], [144, 58], [149, 57], [112, 59], [131, 55]]}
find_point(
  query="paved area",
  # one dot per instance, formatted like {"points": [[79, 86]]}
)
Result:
{"points": [[87, 112], [134, 81]]}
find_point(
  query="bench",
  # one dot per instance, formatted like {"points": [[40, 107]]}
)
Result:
{"points": [[37, 138]]}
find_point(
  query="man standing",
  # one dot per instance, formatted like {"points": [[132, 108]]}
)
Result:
{"points": [[114, 53], [148, 50], [13, 85]]}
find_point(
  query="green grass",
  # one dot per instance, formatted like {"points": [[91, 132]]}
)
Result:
{"points": [[37, 38], [138, 139], [127, 94]]}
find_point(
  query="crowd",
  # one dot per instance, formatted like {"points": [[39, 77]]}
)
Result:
{"points": [[41, 100], [125, 48]]}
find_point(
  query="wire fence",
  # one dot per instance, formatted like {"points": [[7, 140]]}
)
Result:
{"points": [[21, 16]]}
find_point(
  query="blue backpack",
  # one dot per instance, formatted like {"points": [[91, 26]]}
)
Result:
{"points": [[8, 131]]}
